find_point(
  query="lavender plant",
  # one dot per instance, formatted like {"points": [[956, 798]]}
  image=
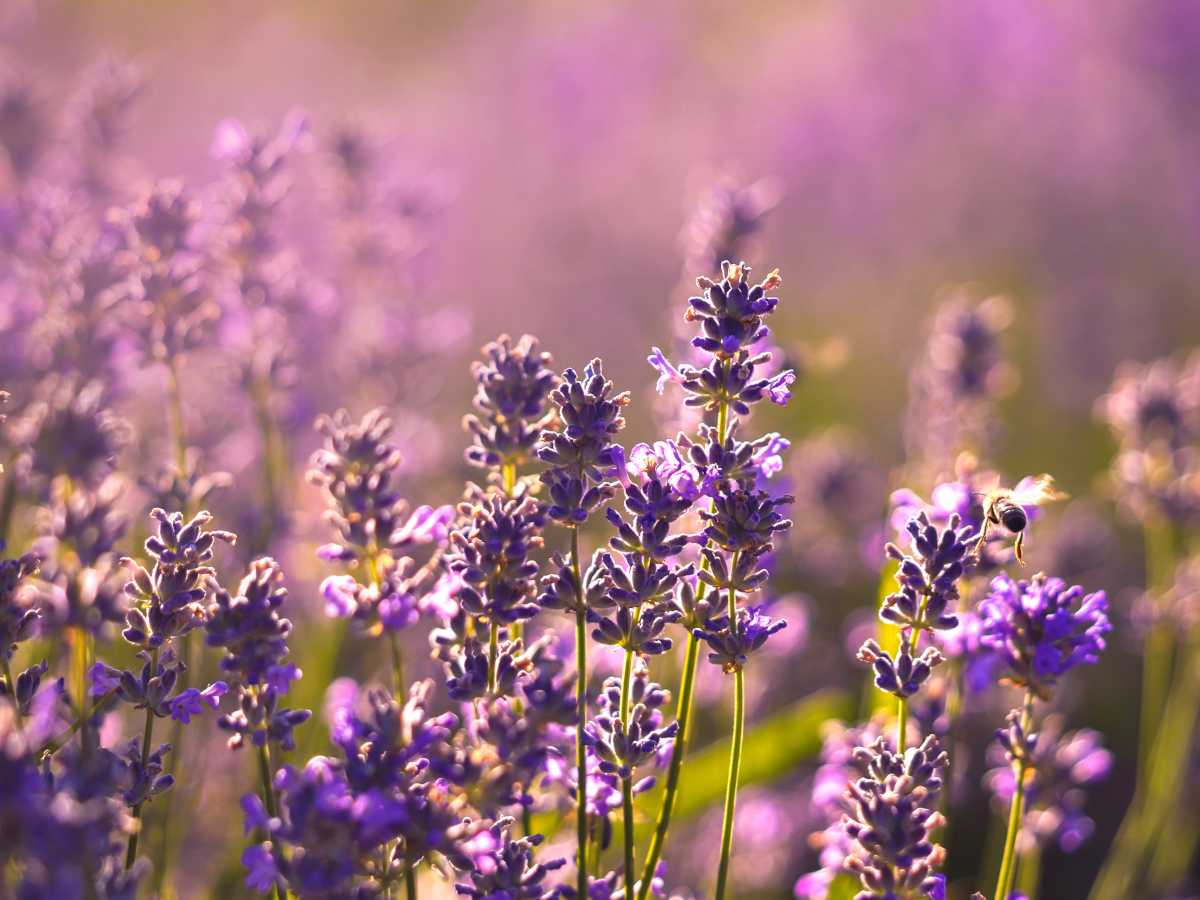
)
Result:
{"points": [[475, 774]]}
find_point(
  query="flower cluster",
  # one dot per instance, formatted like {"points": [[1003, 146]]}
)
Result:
{"points": [[18, 618], [953, 386], [1154, 411], [373, 524], [254, 636], [1061, 766], [361, 820], [581, 449], [624, 743], [512, 387], [1042, 629], [894, 814]]}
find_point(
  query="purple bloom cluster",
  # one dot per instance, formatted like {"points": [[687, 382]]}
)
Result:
{"points": [[580, 450], [374, 526], [953, 386], [1154, 411], [512, 388], [1061, 766], [893, 815], [1042, 628], [254, 635]]}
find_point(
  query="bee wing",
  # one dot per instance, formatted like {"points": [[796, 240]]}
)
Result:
{"points": [[1036, 490]]}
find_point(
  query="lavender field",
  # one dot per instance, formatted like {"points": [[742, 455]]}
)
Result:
{"points": [[629, 450]]}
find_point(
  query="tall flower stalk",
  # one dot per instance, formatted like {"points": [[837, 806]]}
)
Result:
{"points": [[578, 448], [728, 377], [1040, 629]]}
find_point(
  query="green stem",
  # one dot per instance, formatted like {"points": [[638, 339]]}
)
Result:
{"points": [[56, 743], [1159, 646], [508, 475], [397, 666], [410, 882], [683, 715], [1016, 810], [627, 781], [264, 775], [147, 734], [901, 723], [731, 785], [175, 408], [493, 653], [8, 499], [1029, 872], [273, 458], [581, 712]]}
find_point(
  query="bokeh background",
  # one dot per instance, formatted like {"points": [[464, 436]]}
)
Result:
{"points": [[541, 163]]}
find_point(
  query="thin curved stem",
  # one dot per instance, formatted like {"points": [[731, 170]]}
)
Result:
{"points": [[1016, 809], [683, 715], [731, 785], [581, 713], [493, 654], [1159, 645], [627, 781], [268, 789], [397, 666], [147, 734], [175, 408]]}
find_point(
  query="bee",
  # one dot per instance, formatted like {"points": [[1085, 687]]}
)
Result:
{"points": [[1006, 506]]}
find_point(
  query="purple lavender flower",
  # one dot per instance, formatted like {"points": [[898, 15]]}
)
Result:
{"points": [[929, 578], [953, 385], [68, 431], [511, 393], [893, 817], [254, 636], [720, 465], [731, 311], [731, 647], [1043, 628], [192, 701], [490, 553], [579, 453], [724, 221], [621, 748], [1060, 767], [169, 595], [509, 871], [1154, 410]]}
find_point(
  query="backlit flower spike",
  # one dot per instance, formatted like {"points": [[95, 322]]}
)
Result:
{"points": [[730, 311], [512, 389], [490, 553], [928, 576], [731, 647], [1061, 767], [509, 869], [254, 635], [1042, 629], [892, 821], [169, 595], [579, 450]]}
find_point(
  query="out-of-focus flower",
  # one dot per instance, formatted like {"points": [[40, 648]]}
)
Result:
{"points": [[1061, 766]]}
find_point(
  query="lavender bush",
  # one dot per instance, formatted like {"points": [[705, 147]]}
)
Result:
{"points": [[629, 609]]}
